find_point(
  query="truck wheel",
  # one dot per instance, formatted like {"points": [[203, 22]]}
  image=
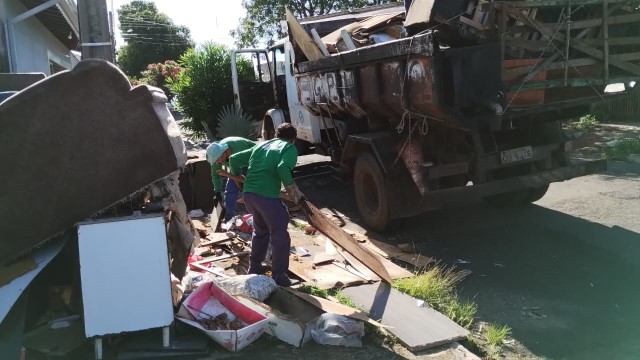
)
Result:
{"points": [[536, 194], [268, 130], [371, 192]]}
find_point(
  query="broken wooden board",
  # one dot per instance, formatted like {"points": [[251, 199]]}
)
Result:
{"points": [[216, 238], [418, 261], [323, 277], [335, 308], [323, 259], [217, 217], [346, 241], [395, 271], [300, 36], [416, 327]]}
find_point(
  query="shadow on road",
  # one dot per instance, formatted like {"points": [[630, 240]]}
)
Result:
{"points": [[566, 286]]}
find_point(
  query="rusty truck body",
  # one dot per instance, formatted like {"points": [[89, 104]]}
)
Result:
{"points": [[466, 97]]}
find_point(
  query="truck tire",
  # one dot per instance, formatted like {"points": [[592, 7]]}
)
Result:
{"points": [[371, 192], [536, 194]]}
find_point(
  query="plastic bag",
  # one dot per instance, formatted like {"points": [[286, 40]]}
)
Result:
{"points": [[333, 329], [257, 287]]}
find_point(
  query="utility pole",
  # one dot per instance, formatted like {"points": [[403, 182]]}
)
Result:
{"points": [[95, 34]]}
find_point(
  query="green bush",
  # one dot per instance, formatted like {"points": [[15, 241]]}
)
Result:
{"points": [[205, 86], [233, 121], [622, 149], [587, 122]]}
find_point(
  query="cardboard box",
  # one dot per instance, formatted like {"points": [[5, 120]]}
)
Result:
{"points": [[290, 318], [208, 301]]}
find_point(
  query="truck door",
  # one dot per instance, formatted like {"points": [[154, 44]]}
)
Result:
{"points": [[252, 77]]}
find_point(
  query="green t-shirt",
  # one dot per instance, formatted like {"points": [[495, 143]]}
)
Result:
{"points": [[270, 164], [236, 144]]}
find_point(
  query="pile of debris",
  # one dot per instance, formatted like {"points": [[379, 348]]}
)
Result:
{"points": [[125, 255]]}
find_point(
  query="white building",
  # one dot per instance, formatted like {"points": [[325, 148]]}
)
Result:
{"points": [[38, 35]]}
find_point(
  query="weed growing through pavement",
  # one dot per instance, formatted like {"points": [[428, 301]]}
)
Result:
{"points": [[436, 287], [495, 336], [622, 149]]}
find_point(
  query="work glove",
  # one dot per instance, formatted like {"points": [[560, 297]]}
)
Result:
{"points": [[294, 193], [217, 198]]}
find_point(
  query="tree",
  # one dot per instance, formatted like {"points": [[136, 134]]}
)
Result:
{"points": [[151, 37], [205, 85], [262, 23], [157, 75]]}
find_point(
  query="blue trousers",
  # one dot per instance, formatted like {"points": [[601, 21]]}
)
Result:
{"points": [[270, 221], [231, 193]]}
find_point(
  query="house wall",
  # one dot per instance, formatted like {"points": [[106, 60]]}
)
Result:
{"points": [[34, 43]]}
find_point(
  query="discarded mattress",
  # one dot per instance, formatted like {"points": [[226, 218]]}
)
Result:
{"points": [[74, 144]]}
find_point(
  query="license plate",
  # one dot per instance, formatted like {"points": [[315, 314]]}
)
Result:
{"points": [[515, 155]]}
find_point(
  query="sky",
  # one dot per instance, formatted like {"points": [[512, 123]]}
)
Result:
{"points": [[208, 20]]}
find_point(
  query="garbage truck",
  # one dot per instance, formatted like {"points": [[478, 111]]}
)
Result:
{"points": [[434, 101]]}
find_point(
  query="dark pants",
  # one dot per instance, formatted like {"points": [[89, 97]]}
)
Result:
{"points": [[270, 221]]}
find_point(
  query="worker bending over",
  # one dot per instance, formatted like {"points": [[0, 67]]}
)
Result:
{"points": [[218, 154], [270, 164]]}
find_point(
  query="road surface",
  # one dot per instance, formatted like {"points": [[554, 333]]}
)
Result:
{"points": [[563, 273]]}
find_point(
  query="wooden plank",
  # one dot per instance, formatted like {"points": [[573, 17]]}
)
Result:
{"points": [[567, 42], [471, 23], [300, 36], [337, 235], [557, 3], [418, 261], [318, 41], [591, 51], [552, 66], [628, 40], [394, 270], [222, 257], [605, 28], [348, 41], [551, 84], [417, 328], [323, 258], [612, 20], [335, 308]]}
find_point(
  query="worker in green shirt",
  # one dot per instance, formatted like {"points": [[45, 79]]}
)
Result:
{"points": [[218, 154], [270, 165]]}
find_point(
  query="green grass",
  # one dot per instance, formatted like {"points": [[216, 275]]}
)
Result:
{"points": [[436, 287], [497, 334], [622, 149], [314, 290], [587, 122], [462, 313], [345, 300]]}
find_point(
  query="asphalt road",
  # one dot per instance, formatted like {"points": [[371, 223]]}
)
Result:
{"points": [[562, 273]]}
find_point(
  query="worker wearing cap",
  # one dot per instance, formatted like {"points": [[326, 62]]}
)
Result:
{"points": [[270, 165], [218, 154]]}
